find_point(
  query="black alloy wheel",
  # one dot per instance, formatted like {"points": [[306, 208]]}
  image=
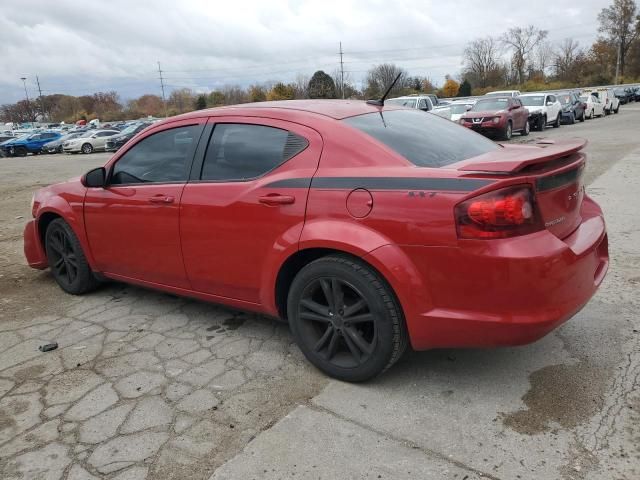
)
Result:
{"points": [[66, 259], [345, 319]]}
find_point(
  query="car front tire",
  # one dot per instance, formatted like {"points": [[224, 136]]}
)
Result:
{"points": [[87, 148], [67, 261], [527, 128], [345, 319]]}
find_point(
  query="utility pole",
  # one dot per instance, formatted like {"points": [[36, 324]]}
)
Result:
{"points": [[24, 83], [164, 100], [618, 62], [341, 72], [41, 99]]}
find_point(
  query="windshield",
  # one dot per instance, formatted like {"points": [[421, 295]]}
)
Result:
{"points": [[532, 100], [129, 129], [583, 99], [424, 139], [403, 102], [457, 109], [564, 99], [498, 94], [490, 104]]}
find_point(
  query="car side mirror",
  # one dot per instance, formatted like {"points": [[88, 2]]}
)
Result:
{"points": [[515, 107], [549, 104], [95, 178], [468, 107]]}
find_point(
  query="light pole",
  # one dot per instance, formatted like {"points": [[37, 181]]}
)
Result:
{"points": [[24, 82]]}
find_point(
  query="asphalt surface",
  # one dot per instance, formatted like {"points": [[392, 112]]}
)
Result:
{"points": [[148, 385]]}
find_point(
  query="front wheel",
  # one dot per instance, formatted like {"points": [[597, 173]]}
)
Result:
{"points": [[572, 118], [508, 132], [66, 259], [345, 319], [542, 123], [582, 116], [556, 124], [87, 148]]}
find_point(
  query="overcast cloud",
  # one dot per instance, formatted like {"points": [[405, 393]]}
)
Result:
{"points": [[79, 47]]}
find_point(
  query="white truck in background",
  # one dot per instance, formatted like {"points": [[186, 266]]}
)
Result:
{"points": [[422, 102]]}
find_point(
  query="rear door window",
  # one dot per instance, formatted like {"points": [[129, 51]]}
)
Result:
{"points": [[240, 152], [424, 139]]}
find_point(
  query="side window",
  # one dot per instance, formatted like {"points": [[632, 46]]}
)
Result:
{"points": [[239, 152], [162, 157], [423, 105], [104, 134]]}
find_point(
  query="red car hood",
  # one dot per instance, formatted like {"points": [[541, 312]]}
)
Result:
{"points": [[484, 113], [513, 158]]}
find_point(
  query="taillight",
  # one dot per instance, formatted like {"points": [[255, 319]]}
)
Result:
{"points": [[503, 213]]}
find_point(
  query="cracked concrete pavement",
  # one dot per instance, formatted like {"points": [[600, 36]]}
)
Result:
{"points": [[148, 385]]}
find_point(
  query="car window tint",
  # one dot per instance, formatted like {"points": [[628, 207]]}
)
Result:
{"points": [[242, 151], [162, 157], [424, 139]]}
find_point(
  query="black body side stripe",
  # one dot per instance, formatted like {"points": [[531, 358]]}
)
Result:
{"points": [[385, 183], [559, 179]]}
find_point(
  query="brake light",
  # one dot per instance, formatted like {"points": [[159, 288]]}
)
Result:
{"points": [[503, 213]]}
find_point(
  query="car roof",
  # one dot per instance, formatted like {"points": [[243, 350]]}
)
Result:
{"points": [[336, 109]]}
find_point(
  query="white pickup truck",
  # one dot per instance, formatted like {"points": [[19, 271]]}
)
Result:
{"points": [[421, 102]]}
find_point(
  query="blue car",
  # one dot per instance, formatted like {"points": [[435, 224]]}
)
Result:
{"points": [[33, 143]]}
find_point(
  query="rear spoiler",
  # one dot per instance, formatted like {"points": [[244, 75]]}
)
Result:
{"points": [[515, 158]]}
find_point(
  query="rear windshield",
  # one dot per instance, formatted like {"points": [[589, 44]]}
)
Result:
{"points": [[424, 139], [403, 102]]}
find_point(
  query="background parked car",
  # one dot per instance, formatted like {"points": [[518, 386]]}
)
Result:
{"points": [[594, 107], [29, 144], [422, 102], [622, 94], [606, 96], [55, 146], [503, 93], [572, 107], [91, 141], [114, 143], [459, 108], [544, 109], [497, 117]]}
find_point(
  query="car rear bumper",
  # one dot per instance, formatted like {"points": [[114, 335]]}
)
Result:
{"points": [[33, 251], [506, 292]]}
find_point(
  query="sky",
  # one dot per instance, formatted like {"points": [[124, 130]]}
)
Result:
{"points": [[80, 47]]}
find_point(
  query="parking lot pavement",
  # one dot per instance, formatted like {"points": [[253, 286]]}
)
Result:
{"points": [[148, 385]]}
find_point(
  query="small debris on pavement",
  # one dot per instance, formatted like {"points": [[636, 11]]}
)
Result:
{"points": [[48, 347]]}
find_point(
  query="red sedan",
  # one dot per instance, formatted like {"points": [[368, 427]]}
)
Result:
{"points": [[365, 227]]}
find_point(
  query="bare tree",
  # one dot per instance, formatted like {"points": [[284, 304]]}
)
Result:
{"points": [[481, 58], [302, 86], [380, 77], [522, 41], [543, 56], [621, 24], [565, 58]]}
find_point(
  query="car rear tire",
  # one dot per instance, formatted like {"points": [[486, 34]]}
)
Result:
{"points": [[346, 319], [67, 261], [87, 148], [616, 110], [21, 152], [556, 124], [582, 116], [527, 128]]}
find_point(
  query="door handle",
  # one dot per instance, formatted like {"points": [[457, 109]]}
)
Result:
{"points": [[163, 199], [276, 199]]}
